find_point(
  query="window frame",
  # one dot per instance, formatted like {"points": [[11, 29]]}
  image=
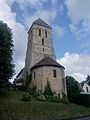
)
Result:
{"points": [[43, 42], [46, 34], [34, 75], [54, 73], [39, 32]]}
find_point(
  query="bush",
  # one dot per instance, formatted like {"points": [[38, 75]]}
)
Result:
{"points": [[3, 92], [21, 88], [3, 89], [65, 101], [28, 80], [32, 91], [82, 99], [48, 91], [53, 99], [26, 97], [57, 99]]}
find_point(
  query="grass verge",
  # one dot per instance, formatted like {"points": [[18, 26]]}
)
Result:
{"points": [[12, 108]]}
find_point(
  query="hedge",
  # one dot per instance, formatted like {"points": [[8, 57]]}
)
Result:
{"points": [[82, 99]]}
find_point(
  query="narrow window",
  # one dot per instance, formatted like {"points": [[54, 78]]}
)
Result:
{"points": [[43, 49], [42, 41], [63, 82], [87, 89], [54, 73], [45, 33], [34, 75], [39, 32]]}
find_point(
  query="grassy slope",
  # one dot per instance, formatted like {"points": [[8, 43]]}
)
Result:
{"points": [[12, 108]]}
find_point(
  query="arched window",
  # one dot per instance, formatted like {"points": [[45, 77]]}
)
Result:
{"points": [[45, 33], [39, 32], [54, 73], [42, 41]]}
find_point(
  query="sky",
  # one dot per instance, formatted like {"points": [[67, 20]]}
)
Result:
{"points": [[70, 22]]}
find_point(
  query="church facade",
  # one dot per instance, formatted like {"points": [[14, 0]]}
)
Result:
{"points": [[40, 60]]}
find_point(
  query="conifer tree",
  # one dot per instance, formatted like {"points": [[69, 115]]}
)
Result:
{"points": [[6, 52]]}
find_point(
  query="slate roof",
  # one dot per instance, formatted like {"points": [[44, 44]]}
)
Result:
{"points": [[20, 72], [83, 82], [42, 23], [47, 61]]}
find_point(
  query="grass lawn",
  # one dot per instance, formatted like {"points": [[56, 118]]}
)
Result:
{"points": [[12, 108]]}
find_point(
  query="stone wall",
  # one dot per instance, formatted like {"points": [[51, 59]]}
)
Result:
{"points": [[35, 50], [46, 73]]}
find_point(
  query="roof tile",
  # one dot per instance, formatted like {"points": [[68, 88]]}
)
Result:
{"points": [[47, 61]]}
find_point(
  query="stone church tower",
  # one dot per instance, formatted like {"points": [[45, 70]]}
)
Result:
{"points": [[40, 44], [40, 60]]}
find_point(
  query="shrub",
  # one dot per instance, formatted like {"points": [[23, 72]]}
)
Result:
{"points": [[48, 91], [57, 100], [26, 97], [3, 89], [28, 80], [3, 92], [53, 99], [32, 91], [65, 101], [82, 99], [21, 88]]}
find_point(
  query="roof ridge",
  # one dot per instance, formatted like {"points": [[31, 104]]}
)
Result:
{"points": [[47, 61], [41, 22]]}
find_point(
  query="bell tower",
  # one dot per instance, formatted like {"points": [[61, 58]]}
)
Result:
{"points": [[40, 44]]}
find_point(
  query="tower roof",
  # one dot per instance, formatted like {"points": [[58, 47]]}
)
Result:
{"points": [[42, 23], [47, 61]]}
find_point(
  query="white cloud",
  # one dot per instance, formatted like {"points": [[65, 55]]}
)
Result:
{"points": [[78, 11], [76, 65], [59, 31], [40, 11], [46, 15], [19, 32], [34, 4]]}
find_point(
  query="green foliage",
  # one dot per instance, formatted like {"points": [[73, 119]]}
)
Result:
{"points": [[53, 99], [72, 86], [26, 97], [2, 88], [82, 99], [21, 88], [12, 108], [33, 91], [57, 99], [28, 80], [6, 52], [65, 98], [48, 90], [74, 93]]}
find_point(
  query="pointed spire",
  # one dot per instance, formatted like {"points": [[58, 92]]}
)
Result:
{"points": [[42, 23]]}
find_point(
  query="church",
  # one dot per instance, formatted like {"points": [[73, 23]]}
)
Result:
{"points": [[40, 61]]}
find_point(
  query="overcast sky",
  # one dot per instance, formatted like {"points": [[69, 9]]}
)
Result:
{"points": [[70, 22]]}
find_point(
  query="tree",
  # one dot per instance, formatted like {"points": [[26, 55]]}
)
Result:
{"points": [[6, 52], [72, 86]]}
